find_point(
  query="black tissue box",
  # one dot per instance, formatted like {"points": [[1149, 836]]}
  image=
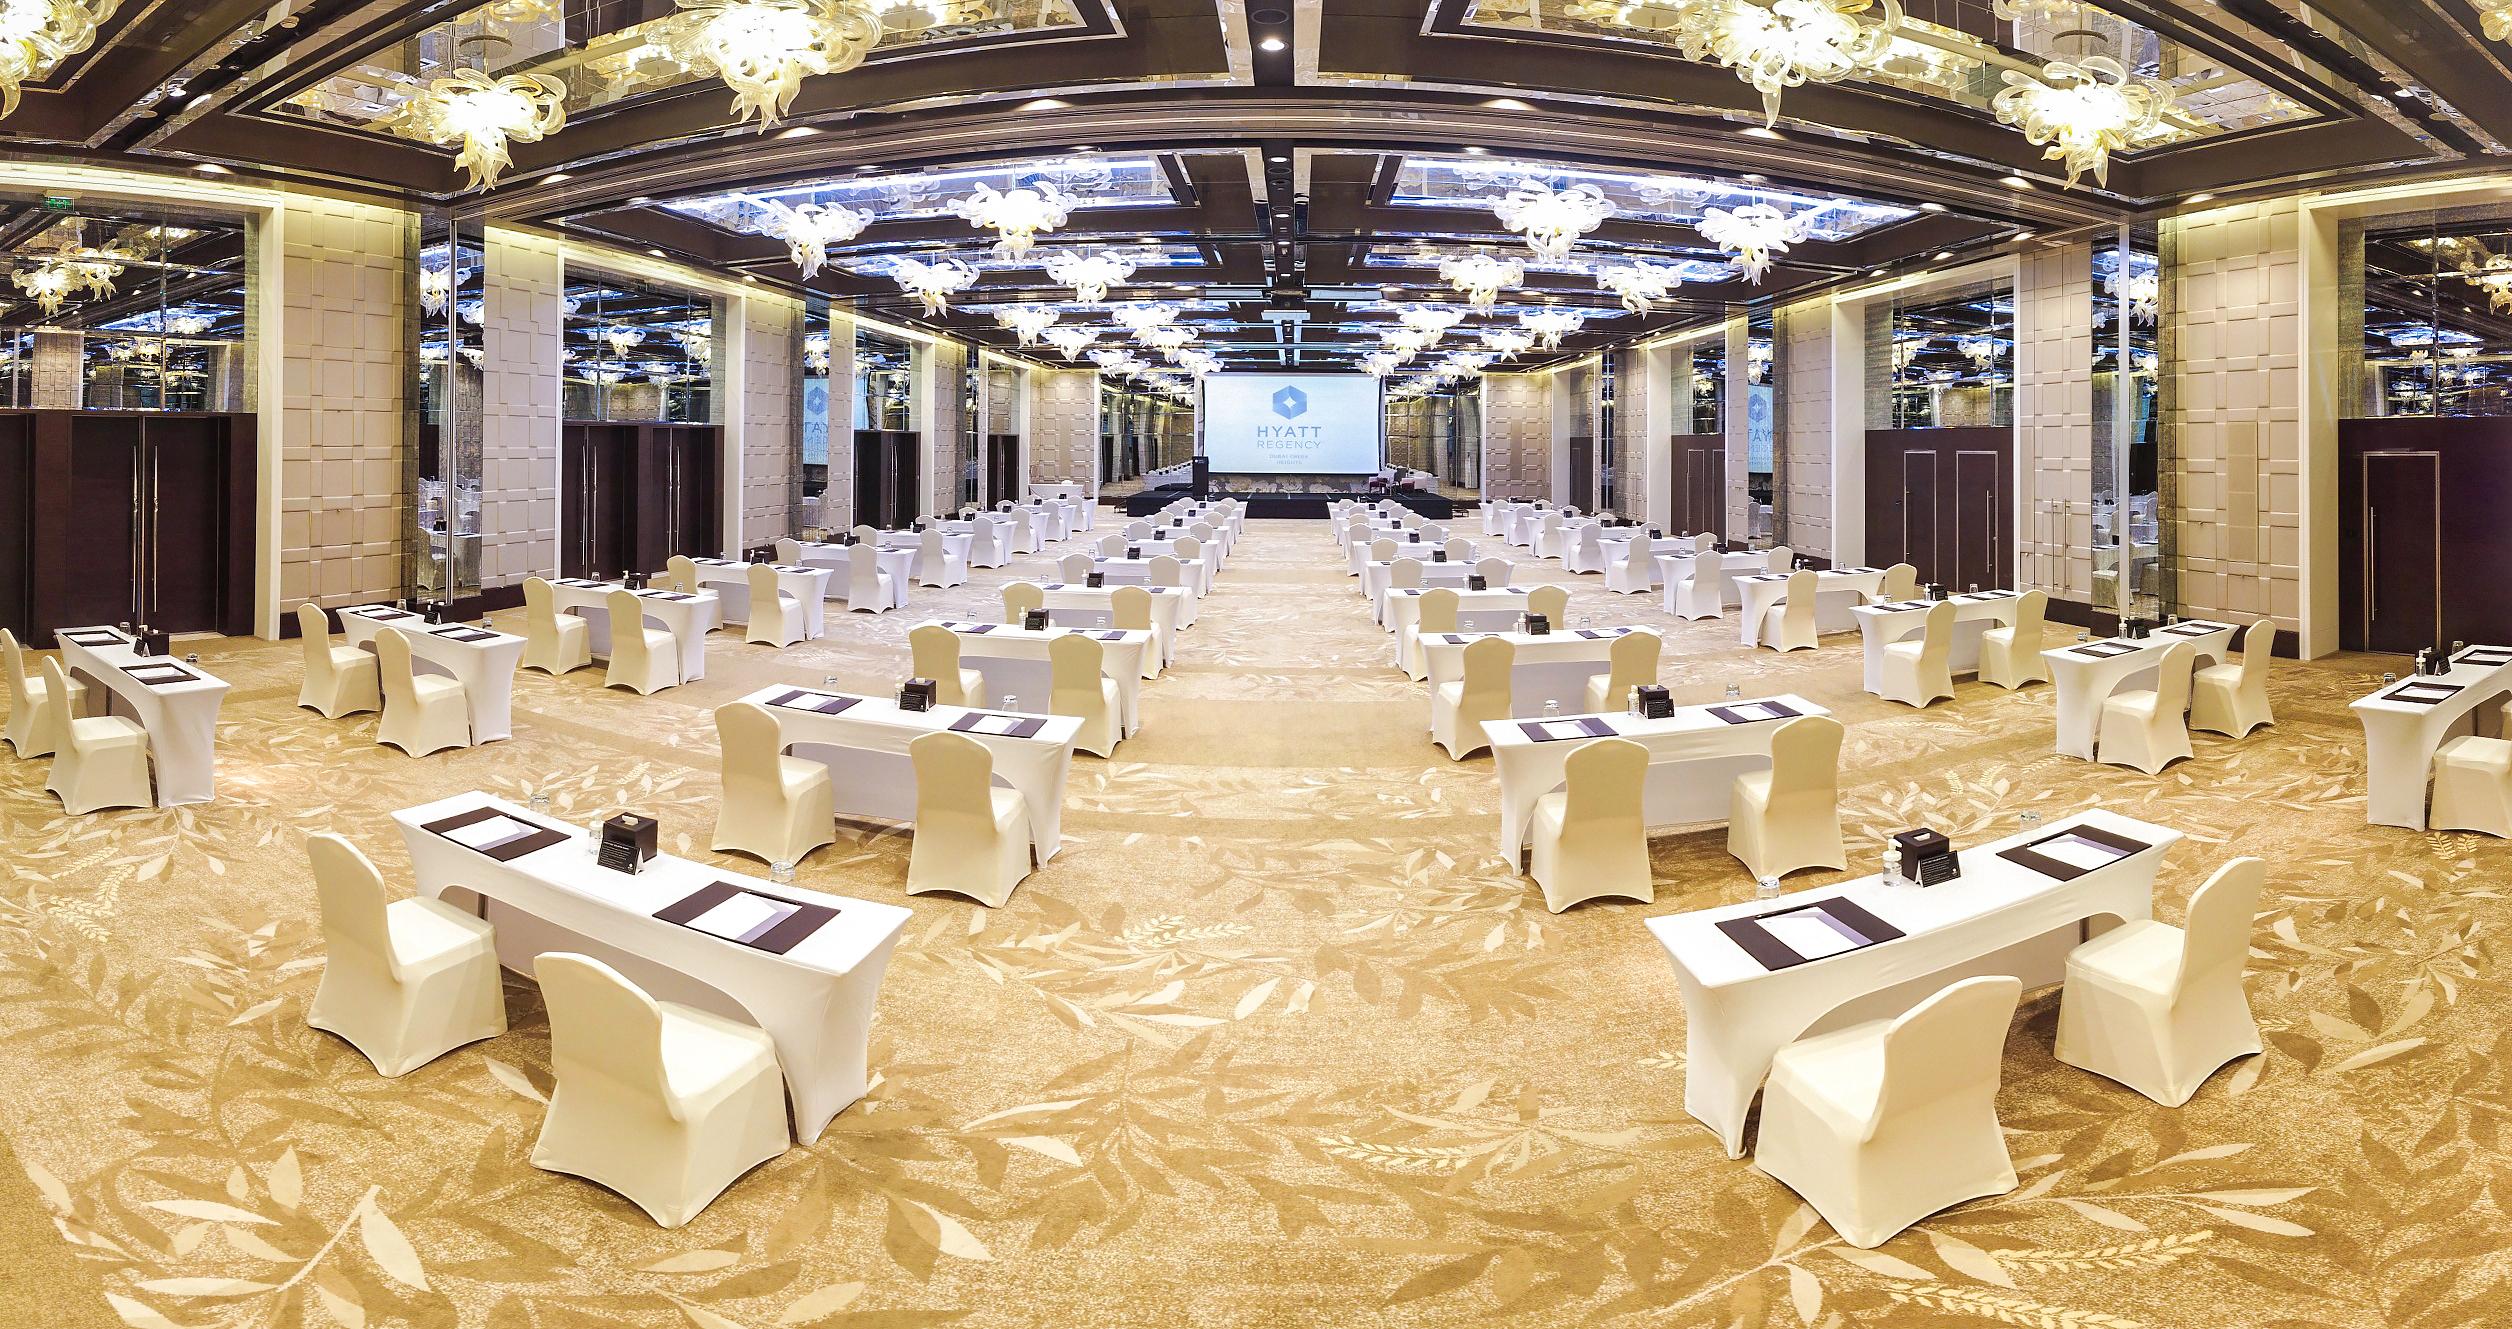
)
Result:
{"points": [[1133, 551], [1097, 580], [1538, 625], [1927, 857], [1656, 534], [2136, 629], [1034, 620], [153, 643], [1936, 591], [628, 840], [1656, 703], [1474, 582], [916, 694], [637, 581], [1439, 556]]}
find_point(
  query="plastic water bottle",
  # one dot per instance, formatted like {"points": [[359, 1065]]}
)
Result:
{"points": [[828, 683], [1552, 710], [1011, 701], [1734, 691], [1767, 888], [540, 802], [781, 872]]}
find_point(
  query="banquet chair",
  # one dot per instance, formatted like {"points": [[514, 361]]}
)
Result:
{"points": [[1129, 609], [2147, 730], [1548, 535], [1458, 709], [2472, 786], [2011, 656], [1789, 625], [869, 586], [988, 546], [1138, 530], [1494, 571], [666, 1104], [1019, 598], [1459, 549], [1630, 662], [682, 574], [1165, 570], [774, 807], [1698, 596], [1202, 531], [1112, 545], [1553, 602], [551, 641], [867, 535], [1886, 1122], [423, 713], [32, 726], [1078, 686], [2160, 1008], [1635, 573], [404, 981], [1405, 575], [647, 659], [933, 652], [1901, 582], [788, 551], [1781, 559], [341, 680], [2233, 698], [936, 565], [1590, 838], [98, 761], [777, 617], [971, 837], [1916, 673], [1074, 567], [1586, 552], [1788, 817], [1382, 550], [1431, 531], [1438, 611]]}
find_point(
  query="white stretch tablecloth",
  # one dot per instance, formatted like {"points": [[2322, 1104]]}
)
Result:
{"points": [[688, 619], [1357, 554], [1095, 607], [814, 1001], [1196, 573], [1694, 758], [1492, 609], [1222, 541], [181, 718], [838, 559], [1999, 917], [2401, 737], [1157, 546], [1674, 569], [2085, 682], [807, 584], [1554, 667], [1836, 592], [865, 749], [1375, 578], [486, 669], [1015, 663], [1881, 625]]}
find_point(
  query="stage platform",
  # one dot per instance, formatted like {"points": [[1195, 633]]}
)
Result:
{"points": [[1309, 504]]}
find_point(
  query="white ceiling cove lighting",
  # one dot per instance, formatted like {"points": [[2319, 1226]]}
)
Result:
{"points": [[1551, 325], [37, 35], [1776, 45], [1071, 341], [482, 114], [1507, 344], [1753, 234], [763, 49], [810, 228], [1027, 321], [2081, 113], [1091, 275], [1552, 220], [1017, 218], [933, 284], [1640, 283], [1480, 278]]}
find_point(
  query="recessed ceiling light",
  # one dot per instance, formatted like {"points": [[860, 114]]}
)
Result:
{"points": [[2404, 94], [555, 176], [1476, 152], [2197, 198], [1277, 158], [1270, 44], [1508, 104], [212, 168], [658, 253], [1084, 147], [2017, 182], [1757, 179], [1942, 255], [2024, 235], [1931, 207], [1759, 131], [749, 276], [639, 201], [798, 131], [1046, 104], [1146, 239]]}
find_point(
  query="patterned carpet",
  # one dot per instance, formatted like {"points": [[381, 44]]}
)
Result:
{"points": [[1277, 1040]]}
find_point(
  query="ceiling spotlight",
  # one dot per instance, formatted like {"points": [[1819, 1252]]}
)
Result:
{"points": [[1270, 44], [1046, 104], [1277, 158], [1507, 104], [639, 201], [1931, 207], [1942, 255], [1476, 152], [1755, 179], [798, 131], [2017, 182], [658, 253], [212, 168], [2198, 198], [1759, 131], [555, 176]]}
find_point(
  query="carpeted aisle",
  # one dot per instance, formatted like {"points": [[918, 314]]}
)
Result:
{"points": [[1276, 1040]]}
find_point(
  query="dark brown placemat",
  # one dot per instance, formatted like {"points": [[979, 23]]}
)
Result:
{"points": [[1785, 712], [2420, 693], [2104, 650], [818, 703], [508, 851], [2023, 854], [161, 675], [781, 936], [1592, 727], [1772, 953], [1028, 725]]}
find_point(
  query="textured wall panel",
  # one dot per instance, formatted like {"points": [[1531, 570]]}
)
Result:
{"points": [[523, 281], [1802, 340], [343, 401], [2054, 417], [1064, 427], [771, 437], [1517, 436]]}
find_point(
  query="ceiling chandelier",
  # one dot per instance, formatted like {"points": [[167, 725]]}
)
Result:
{"points": [[1071, 340], [436, 289], [1469, 362], [1168, 340], [1015, 218], [933, 284], [1480, 278], [1027, 321], [1551, 325], [1752, 234], [1090, 275], [1139, 319], [1640, 283], [815, 353], [763, 49], [484, 115], [2081, 113], [1198, 362], [622, 340], [37, 35], [809, 229], [1120, 362], [1507, 343], [1430, 323], [1378, 364], [1406, 342], [51, 282], [1906, 353], [2495, 278], [1552, 220], [699, 345], [185, 325], [2496, 15], [1776, 45], [1981, 351], [2144, 291]]}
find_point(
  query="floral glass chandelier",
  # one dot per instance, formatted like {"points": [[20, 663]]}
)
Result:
{"points": [[2496, 17], [1467, 362], [1168, 340], [815, 353], [1981, 351], [2495, 279], [1070, 340], [1752, 234], [2143, 290], [698, 345], [484, 116], [1120, 362], [436, 289], [52, 281], [933, 284], [1406, 342], [1551, 325], [2082, 112], [1090, 275], [1016, 218], [1430, 324], [37, 35], [1507, 343], [1378, 364], [1198, 362], [1552, 220], [810, 228], [763, 49], [1776, 45], [1139, 319], [622, 340], [1027, 321], [1640, 283], [1480, 278], [185, 325]]}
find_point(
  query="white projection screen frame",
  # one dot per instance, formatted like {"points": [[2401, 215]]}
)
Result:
{"points": [[1293, 424]]}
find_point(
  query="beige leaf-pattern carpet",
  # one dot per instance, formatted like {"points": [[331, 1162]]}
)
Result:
{"points": [[1276, 1040]]}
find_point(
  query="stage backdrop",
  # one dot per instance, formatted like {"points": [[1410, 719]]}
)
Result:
{"points": [[1279, 424]]}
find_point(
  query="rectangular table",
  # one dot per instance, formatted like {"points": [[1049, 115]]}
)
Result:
{"points": [[689, 618], [1358, 553], [814, 1001], [2085, 681], [1880, 625], [1554, 667], [807, 584], [485, 668], [1675, 569], [839, 560], [2402, 735], [1014, 661], [1194, 573], [1694, 757], [1999, 917], [1076, 606], [1491, 608], [1376, 576], [1837, 591], [180, 715]]}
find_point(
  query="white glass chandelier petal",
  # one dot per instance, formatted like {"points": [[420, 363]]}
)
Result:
{"points": [[1016, 218], [815, 353], [1406, 342], [1027, 321], [37, 35], [763, 49], [809, 229], [622, 339], [1506, 343], [1480, 278], [1552, 220], [1776, 45], [1070, 341], [484, 116], [1168, 340], [1090, 275], [2496, 17], [1431, 324], [1139, 319], [933, 284], [1640, 283], [1551, 325], [2494, 278], [1378, 364], [2080, 113], [2143, 290], [1752, 234]]}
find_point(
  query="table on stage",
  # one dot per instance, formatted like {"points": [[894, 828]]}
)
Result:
{"points": [[176, 702]]}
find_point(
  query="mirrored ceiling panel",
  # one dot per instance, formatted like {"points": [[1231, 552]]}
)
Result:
{"points": [[1479, 182]]}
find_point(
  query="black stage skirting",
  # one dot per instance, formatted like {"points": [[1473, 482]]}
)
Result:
{"points": [[1310, 505]]}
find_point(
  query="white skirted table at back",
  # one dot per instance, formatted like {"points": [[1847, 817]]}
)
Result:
{"points": [[176, 702], [1015, 662], [2407, 722], [1837, 591], [839, 560], [483, 660], [1194, 573], [1491, 609], [689, 618], [1075, 606], [2087, 674], [1880, 625], [1550, 667], [731, 582]]}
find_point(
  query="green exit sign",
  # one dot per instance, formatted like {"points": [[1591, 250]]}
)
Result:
{"points": [[59, 202]]}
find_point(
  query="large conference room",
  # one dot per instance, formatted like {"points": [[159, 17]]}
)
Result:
{"points": [[869, 664]]}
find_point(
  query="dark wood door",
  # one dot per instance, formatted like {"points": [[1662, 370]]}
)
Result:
{"points": [[2402, 544], [1582, 472], [1979, 518], [594, 501], [1918, 543], [1941, 501], [886, 475], [679, 488], [1698, 476], [1003, 478], [103, 542], [186, 527]]}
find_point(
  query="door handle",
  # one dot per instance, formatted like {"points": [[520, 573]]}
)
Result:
{"points": [[2372, 559]]}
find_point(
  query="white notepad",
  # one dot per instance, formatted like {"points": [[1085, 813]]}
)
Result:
{"points": [[740, 915], [1564, 729], [489, 832], [1809, 933], [1755, 710], [2078, 852], [996, 724]]}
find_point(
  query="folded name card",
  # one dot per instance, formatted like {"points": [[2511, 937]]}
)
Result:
{"points": [[1754, 712], [822, 702], [1554, 731], [1603, 634], [1000, 726], [2423, 694], [2103, 650]]}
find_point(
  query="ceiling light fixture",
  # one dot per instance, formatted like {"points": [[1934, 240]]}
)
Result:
{"points": [[1752, 234], [1931, 207], [763, 49], [2082, 112], [1640, 283], [1507, 343], [484, 115], [1480, 278], [1139, 319], [1091, 275], [212, 168], [2496, 17], [1168, 340], [1552, 220], [1379, 364], [1776, 45], [51, 281], [810, 228], [1270, 44], [1070, 340], [1016, 218], [2142, 290], [933, 284], [1429, 324], [37, 35], [1551, 325], [1027, 321], [2195, 199], [622, 339]]}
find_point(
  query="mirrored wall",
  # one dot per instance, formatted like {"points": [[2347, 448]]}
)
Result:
{"points": [[1440, 432], [2437, 319], [637, 351], [1954, 358], [444, 534], [1763, 513], [2129, 570], [123, 308]]}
